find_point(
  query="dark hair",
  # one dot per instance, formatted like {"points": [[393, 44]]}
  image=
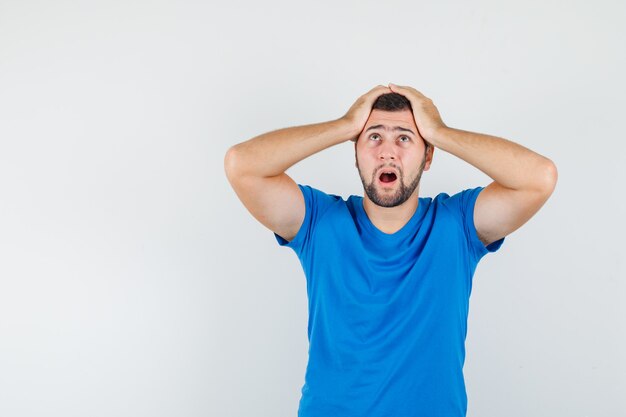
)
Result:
{"points": [[392, 102]]}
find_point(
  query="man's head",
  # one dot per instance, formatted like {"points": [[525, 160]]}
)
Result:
{"points": [[390, 153]]}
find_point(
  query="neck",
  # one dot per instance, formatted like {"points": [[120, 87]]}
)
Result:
{"points": [[390, 219]]}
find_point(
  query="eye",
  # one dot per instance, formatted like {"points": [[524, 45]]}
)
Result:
{"points": [[405, 137], [372, 136]]}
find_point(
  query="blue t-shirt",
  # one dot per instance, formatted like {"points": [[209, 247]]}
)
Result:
{"points": [[387, 312]]}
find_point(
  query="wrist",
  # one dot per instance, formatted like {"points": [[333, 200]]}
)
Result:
{"points": [[347, 130], [434, 136]]}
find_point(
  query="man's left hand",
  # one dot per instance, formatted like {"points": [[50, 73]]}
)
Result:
{"points": [[426, 115]]}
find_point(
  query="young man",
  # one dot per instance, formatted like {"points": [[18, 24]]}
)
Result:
{"points": [[389, 274]]}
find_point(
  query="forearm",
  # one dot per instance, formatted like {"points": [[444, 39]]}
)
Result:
{"points": [[272, 153], [508, 163]]}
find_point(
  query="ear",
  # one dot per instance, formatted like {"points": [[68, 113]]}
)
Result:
{"points": [[429, 157]]}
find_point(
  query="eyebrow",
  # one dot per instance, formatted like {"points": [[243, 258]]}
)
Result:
{"points": [[395, 128]]}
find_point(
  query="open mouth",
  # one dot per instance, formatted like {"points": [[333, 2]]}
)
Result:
{"points": [[387, 177]]}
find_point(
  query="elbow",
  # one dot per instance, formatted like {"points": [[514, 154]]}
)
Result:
{"points": [[230, 162], [549, 177]]}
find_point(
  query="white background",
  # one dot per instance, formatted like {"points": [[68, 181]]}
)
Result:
{"points": [[134, 283]]}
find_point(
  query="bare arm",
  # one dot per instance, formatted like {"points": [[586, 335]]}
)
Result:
{"points": [[523, 180], [256, 168], [272, 153]]}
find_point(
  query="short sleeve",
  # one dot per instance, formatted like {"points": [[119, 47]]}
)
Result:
{"points": [[467, 201], [316, 203]]}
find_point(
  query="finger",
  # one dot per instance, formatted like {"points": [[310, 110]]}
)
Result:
{"points": [[376, 92], [405, 91], [373, 93], [403, 87], [380, 89], [401, 90], [377, 88]]}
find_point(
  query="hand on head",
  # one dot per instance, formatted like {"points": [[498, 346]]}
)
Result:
{"points": [[427, 117], [360, 111]]}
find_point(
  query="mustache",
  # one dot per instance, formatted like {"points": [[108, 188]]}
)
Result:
{"points": [[387, 166]]}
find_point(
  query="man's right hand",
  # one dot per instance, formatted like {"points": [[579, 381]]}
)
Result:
{"points": [[360, 111], [256, 168]]}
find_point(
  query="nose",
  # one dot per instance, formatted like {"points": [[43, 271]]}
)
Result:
{"points": [[387, 151]]}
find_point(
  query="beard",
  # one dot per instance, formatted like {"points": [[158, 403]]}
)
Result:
{"points": [[402, 194]]}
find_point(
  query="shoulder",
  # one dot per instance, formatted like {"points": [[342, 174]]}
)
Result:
{"points": [[460, 197], [316, 195], [458, 206], [461, 202]]}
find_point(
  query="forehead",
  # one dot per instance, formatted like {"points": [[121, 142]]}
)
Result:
{"points": [[402, 118]]}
